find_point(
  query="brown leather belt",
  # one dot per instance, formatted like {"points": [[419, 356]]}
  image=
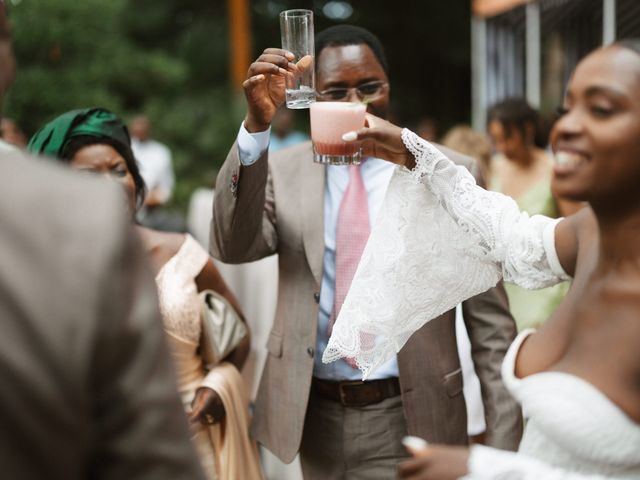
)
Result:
{"points": [[357, 393]]}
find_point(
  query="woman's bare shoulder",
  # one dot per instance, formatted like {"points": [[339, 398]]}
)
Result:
{"points": [[583, 222], [162, 246], [573, 233]]}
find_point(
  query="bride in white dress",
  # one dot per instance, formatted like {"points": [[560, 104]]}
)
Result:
{"points": [[578, 376]]}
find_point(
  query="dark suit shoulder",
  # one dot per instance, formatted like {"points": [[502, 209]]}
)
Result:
{"points": [[51, 195], [63, 226]]}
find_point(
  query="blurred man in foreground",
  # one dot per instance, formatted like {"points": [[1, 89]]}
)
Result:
{"points": [[86, 387]]}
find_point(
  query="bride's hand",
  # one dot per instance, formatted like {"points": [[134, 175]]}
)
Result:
{"points": [[382, 139]]}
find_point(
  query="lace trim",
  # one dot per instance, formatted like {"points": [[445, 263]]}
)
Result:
{"points": [[427, 155]]}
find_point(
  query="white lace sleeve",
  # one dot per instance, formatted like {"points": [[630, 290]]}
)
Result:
{"points": [[487, 463], [524, 246], [432, 248]]}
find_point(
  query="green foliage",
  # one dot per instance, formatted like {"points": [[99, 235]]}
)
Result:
{"points": [[170, 60], [130, 56], [75, 54]]}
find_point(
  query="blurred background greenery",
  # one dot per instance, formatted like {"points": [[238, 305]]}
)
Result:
{"points": [[170, 59]]}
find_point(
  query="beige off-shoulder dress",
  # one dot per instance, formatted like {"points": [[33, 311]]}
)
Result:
{"points": [[226, 452]]}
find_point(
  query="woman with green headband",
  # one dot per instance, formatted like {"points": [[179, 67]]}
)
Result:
{"points": [[95, 140]]}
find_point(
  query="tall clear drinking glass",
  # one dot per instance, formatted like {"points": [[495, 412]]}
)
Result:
{"points": [[296, 31]]}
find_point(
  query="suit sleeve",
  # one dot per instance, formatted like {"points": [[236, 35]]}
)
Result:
{"points": [[141, 429], [491, 330], [243, 228]]}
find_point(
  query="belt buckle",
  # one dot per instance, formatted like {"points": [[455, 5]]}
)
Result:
{"points": [[343, 393]]}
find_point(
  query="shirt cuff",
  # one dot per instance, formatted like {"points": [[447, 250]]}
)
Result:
{"points": [[252, 145]]}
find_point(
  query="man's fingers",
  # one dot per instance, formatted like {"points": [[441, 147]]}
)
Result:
{"points": [[252, 81], [305, 63], [282, 62], [280, 52], [265, 68]]}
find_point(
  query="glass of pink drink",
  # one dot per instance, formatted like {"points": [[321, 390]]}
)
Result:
{"points": [[331, 120]]}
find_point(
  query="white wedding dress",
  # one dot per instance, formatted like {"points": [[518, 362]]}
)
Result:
{"points": [[573, 431], [433, 247]]}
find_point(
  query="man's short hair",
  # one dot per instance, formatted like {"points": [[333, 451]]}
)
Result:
{"points": [[342, 35]]}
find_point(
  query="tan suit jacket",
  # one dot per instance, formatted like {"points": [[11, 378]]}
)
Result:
{"points": [[276, 206], [87, 389]]}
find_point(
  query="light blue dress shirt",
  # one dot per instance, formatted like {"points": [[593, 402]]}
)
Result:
{"points": [[276, 143], [376, 174]]}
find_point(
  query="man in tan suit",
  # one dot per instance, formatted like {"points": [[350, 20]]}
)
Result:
{"points": [[86, 384], [284, 203]]}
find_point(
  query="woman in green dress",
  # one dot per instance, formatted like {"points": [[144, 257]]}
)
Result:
{"points": [[522, 170]]}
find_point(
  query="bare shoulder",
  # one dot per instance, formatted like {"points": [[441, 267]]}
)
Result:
{"points": [[169, 242], [573, 233], [583, 223], [160, 246]]}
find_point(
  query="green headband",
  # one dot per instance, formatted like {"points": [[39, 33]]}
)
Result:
{"points": [[52, 139]]}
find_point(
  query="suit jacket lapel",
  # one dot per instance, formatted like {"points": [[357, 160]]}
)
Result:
{"points": [[312, 181]]}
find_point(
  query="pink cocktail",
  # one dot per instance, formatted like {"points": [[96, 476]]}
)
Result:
{"points": [[331, 120]]}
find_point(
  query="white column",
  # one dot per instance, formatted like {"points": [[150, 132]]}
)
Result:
{"points": [[533, 53], [478, 72], [608, 21]]}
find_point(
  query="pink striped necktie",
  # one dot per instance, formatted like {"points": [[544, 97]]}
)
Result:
{"points": [[352, 232]]}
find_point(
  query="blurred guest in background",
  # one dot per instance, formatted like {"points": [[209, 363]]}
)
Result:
{"points": [[283, 134], [11, 133], [154, 158], [95, 140], [199, 212], [464, 139], [523, 170], [156, 168], [427, 128], [86, 384]]}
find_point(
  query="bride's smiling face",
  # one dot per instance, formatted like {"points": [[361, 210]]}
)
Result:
{"points": [[597, 139]]}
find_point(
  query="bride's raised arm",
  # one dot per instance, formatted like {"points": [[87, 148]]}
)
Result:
{"points": [[432, 248], [523, 246]]}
